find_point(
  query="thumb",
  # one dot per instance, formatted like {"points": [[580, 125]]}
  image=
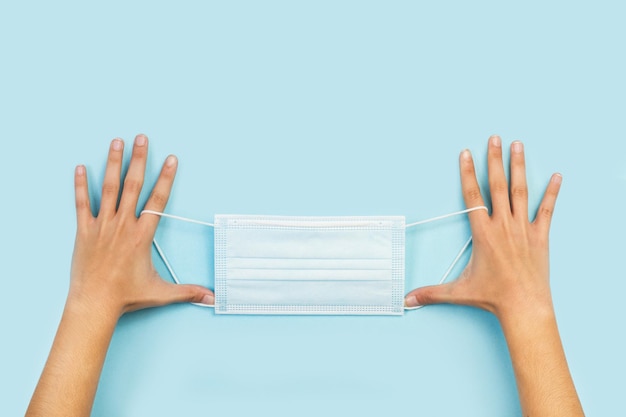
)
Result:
{"points": [[432, 294], [188, 293]]}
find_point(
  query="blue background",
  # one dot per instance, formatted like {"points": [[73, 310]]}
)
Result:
{"points": [[314, 108]]}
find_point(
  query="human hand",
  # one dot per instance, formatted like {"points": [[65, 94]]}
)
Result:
{"points": [[112, 265], [508, 272]]}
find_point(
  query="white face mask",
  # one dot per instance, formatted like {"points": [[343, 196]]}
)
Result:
{"points": [[309, 265]]}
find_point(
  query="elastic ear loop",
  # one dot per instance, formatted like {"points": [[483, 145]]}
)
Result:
{"points": [[461, 252], [162, 254]]}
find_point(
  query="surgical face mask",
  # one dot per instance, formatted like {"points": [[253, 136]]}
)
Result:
{"points": [[309, 265]]}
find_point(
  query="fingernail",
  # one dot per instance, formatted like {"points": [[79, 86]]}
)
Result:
{"points": [[495, 140], [208, 300], [517, 146], [170, 161], [557, 178], [411, 301], [140, 140], [117, 144], [80, 170], [466, 154]]}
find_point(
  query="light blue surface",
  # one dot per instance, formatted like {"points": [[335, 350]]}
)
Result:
{"points": [[316, 108]]}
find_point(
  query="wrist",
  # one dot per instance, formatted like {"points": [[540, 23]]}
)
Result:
{"points": [[525, 304], [95, 304], [528, 317]]}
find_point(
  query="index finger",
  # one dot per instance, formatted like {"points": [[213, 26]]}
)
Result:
{"points": [[161, 192], [469, 186], [83, 207], [498, 185]]}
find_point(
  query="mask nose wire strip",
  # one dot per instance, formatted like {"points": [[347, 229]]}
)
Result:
{"points": [[162, 254], [461, 252]]}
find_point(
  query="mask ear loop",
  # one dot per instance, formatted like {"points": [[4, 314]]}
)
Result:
{"points": [[162, 254], [461, 252]]}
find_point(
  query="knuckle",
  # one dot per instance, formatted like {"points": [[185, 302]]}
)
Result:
{"points": [[518, 163], [546, 212], [473, 194], [552, 192], [159, 199], [114, 158], [499, 187], [139, 151], [193, 295], [110, 189], [82, 204], [467, 169], [133, 186], [426, 297], [168, 172], [519, 192], [494, 158]]}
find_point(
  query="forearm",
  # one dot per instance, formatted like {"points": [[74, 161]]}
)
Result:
{"points": [[70, 377], [543, 379]]}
